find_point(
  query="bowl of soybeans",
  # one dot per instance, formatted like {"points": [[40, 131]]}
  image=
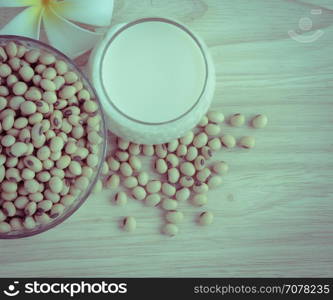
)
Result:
{"points": [[52, 137]]}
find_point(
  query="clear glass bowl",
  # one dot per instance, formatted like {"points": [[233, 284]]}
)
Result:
{"points": [[34, 44]]}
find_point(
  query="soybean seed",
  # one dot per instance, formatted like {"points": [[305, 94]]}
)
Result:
{"points": [[206, 152], [105, 168], [93, 136], [206, 218], [186, 181], [68, 200], [5, 70], [7, 141], [30, 209], [3, 55], [161, 166], [68, 92], [42, 218], [183, 194], [26, 73], [123, 144], [114, 164], [27, 174], [16, 224], [43, 153], [143, 178], [187, 139], [172, 160], [153, 186], [215, 117], [87, 171], [203, 174], [122, 155], [129, 224], [259, 121], [70, 77], [187, 169], [174, 216], [120, 198], [61, 67], [8, 196], [112, 182], [125, 169], [11, 49], [215, 144], [199, 199], [152, 200], [8, 122], [56, 144], [4, 226], [168, 189], [200, 187], [173, 145], [135, 163], [181, 150], [130, 182], [43, 176], [9, 209], [237, 120], [63, 162], [228, 141], [49, 73], [200, 140], [92, 160], [192, 153], [45, 205], [47, 59], [139, 193], [9, 186], [13, 174], [220, 167], [161, 151], [247, 142], [214, 182], [173, 175], [29, 223], [199, 163], [56, 184], [21, 202], [3, 217], [47, 85], [169, 204], [148, 150], [170, 229], [212, 129], [31, 186], [203, 122]]}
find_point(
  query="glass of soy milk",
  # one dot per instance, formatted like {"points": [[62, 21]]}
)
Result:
{"points": [[155, 79]]}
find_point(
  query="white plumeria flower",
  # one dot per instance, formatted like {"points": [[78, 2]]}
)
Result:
{"points": [[56, 16]]}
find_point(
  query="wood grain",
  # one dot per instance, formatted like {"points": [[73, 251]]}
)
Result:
{"points": [[274, 211]]}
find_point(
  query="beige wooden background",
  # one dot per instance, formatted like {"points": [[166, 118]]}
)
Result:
{"points": [[274, 213]]}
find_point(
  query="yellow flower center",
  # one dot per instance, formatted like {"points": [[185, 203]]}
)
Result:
{"points": [[45, 2]]}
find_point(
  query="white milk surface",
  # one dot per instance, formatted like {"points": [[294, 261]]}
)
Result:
{"points": [[153, 72]]}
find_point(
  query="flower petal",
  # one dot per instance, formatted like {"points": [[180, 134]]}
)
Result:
{"points": [[26, 23], [66, 36], [18, 3], [96, 13]]}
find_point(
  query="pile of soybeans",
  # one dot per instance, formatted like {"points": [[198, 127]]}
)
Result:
{"points": [[180, 167]]}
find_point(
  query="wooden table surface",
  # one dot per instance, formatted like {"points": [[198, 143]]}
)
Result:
{"points": [[273, 214]]}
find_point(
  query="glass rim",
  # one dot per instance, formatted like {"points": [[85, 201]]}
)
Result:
{"points": [[154, 19], [84, 194]]}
